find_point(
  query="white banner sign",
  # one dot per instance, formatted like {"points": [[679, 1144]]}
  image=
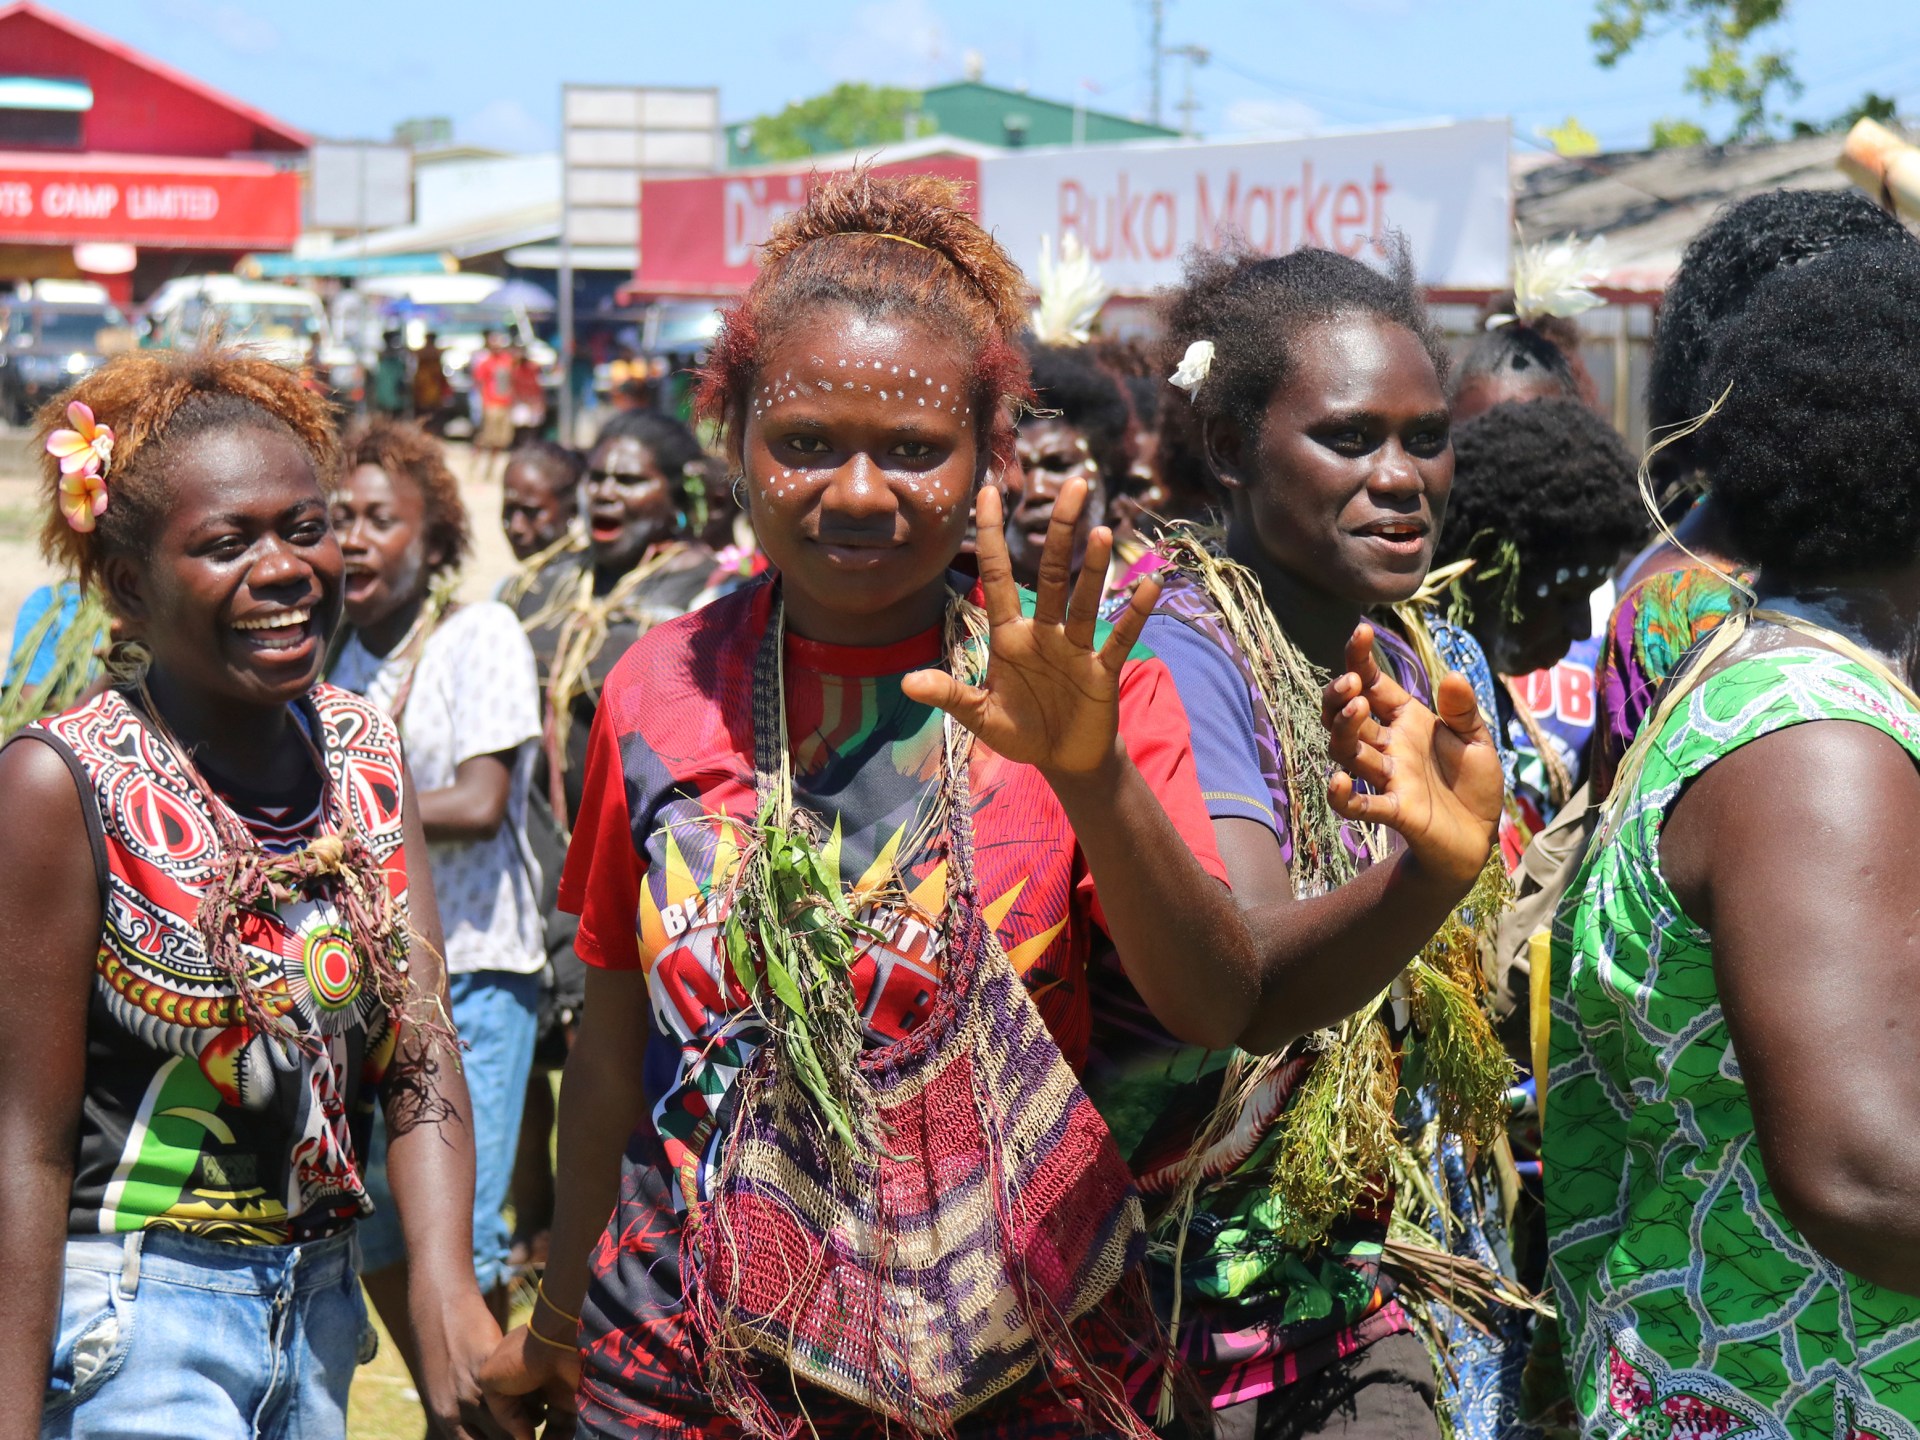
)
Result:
{"points": [[1139, 208]]}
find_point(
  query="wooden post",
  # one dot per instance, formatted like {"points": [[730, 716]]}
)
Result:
{"points": [[1622, 369]]}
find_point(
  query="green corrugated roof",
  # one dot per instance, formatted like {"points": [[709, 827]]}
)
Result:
{"points": [[987, 115]]}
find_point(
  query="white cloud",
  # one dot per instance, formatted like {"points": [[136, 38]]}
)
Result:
{"points": [[231, 26], [505, 124], [890, 42], [1271, 117]]}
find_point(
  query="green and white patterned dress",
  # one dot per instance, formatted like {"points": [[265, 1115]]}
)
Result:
{"points": [[1692, 1307]]}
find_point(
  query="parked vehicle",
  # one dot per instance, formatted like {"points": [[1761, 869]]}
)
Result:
{"points": [[51, 334], [279, 322], [459, 311]]}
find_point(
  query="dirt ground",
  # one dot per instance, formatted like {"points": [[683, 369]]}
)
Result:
{"points": [[22, 569]]}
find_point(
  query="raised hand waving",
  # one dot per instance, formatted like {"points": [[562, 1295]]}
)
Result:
{"points": [[1049, 698], [1435, 774]]}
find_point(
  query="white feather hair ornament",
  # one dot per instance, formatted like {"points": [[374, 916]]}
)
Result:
{"points": [[1071, 293], [1555, 277]]}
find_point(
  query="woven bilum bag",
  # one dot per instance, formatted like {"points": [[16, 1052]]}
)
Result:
{"points": [[926, 1275]]}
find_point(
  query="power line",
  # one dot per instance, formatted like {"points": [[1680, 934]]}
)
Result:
{"points": [[1156, 52]]}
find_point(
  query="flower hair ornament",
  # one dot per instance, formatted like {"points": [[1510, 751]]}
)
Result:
{"points": [[1194, 367], [1555, 278], [84, 452]]}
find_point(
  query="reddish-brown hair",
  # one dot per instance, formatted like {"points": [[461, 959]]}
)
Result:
{"points": [[844, 247], [407, 452], [155, 399]]}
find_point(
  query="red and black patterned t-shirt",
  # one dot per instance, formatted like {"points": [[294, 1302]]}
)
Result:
{"points": [[670, 763]]}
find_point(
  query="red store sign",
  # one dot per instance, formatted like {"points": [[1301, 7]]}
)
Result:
{"points": [[211, 205], [702, 236]]}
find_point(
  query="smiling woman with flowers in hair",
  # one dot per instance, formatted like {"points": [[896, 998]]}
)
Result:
{"points": [[220, 937]]}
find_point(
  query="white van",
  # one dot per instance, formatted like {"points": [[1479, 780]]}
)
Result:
{"points": [[276, 322]]}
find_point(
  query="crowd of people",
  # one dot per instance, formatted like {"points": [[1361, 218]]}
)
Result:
{"points": [[1051, 873]]}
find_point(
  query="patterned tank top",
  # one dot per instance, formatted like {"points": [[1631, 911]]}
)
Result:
{"points": [[1691, 1305], [192, 1121]]}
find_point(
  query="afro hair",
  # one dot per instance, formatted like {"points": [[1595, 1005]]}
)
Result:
{"points": [[1815, 454], [1087, 397], [1745, 243], [1549, 475]]}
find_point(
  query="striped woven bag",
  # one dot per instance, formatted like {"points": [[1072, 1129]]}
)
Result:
{"points": [[924, 1281]]}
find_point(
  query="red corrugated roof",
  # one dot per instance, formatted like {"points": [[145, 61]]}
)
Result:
{"points": [[294, 139]]}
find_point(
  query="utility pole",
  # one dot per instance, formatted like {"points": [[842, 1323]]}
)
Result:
{"points": [[1195, 56], [1156, 54]]}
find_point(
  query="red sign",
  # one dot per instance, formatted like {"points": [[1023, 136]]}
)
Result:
{"points": [[702, 236], [202, 205]]}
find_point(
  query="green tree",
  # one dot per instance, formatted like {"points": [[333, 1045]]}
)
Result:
{"points": [[845, 118], [1869, 106], [1735, 72], [1670, 134]]}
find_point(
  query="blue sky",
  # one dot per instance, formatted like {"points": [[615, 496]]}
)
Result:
{"points": [[351, 68]]}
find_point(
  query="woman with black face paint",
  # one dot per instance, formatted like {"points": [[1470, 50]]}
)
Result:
{"points": [[220, 944], [641, 565]]}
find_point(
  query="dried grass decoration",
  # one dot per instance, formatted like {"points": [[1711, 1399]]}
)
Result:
{"points": [[1338, 1138], [918, 1285], [792, 935], [338, 867]]}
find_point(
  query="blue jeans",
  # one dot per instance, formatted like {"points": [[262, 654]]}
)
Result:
{"points": [[497, 1015], [166, 1335]]}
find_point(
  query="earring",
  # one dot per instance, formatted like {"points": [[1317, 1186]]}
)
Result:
{"points": [[740, 491]]}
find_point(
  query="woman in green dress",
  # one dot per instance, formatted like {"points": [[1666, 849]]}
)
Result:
{"points": [[1733, 1105]]}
